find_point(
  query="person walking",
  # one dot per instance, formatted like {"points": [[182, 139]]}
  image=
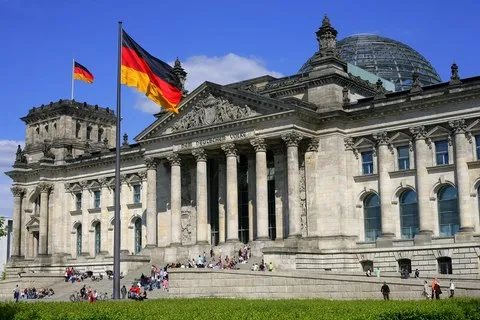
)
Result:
{"points": [[385, 291], [425, 290], [124, 292], [16, 293], [452, 289], [377, 272], [437, 290]]}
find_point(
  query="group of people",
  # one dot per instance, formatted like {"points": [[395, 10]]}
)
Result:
{"points": [[158, 279], [262, 266], [434, 291], [31, 293]]}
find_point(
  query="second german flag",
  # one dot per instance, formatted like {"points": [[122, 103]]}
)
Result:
{"points": [[149, 75]]}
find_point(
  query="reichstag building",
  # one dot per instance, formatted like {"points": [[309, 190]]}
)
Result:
{"points": [[363, 158]]}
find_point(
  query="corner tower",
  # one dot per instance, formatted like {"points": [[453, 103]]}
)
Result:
{"points": [[65, 129]]}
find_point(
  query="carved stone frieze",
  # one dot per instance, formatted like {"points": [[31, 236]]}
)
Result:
{"points": [[212, 110], [199, 154], [186, 225], [17, 191], [292, 139], [174, 159], [259, 144], [303, 197], [229, 149]]}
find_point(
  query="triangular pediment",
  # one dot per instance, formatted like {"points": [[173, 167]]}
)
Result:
{"points": [[399, 138], [438, 131], [364, 143], [212, 105]]}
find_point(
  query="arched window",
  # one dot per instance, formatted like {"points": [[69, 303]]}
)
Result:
{"points": [[409, 214], [138, 235], [100, 135], [79, 240], [89, 133], [372, 217], [449, 219], [98, 238]]}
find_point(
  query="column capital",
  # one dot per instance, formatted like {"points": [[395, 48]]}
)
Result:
{"points": [[45, 187], [143, 175], [151, 163], [418, 132], [292, 139], [102, 181], [83, 184], [174, 159], [123, 179], [229, 149], [17, 191], [259, 144], [199, 154], [381, 138], [313, 145], [458, 126]]}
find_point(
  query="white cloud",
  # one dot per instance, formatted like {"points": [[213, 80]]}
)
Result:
{"points": [[7, 157], [222, 70]]}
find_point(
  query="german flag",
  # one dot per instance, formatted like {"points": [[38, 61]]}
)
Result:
{"points": [[149, 75], [82, 73]]}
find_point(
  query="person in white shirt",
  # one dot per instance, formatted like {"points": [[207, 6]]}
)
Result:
{"points": [[452, 289]]}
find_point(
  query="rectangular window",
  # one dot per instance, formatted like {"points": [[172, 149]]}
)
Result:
{"points": [[96, 199], [477, 144], [367, 162], [78, 201], [403, 158], [441, 152], [136, 194]]}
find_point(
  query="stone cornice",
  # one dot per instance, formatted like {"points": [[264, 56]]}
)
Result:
{"points": [[69, 107]]}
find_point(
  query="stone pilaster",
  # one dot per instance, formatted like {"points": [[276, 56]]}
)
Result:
{"points": [[104, 217], [151, 224], [294, 220], [383, 161], [43, 225], [311, 187], [261, 187], [17, 220], [462, 179], [421, 182], [232, 192], [252, 210], [175, 198], [202, 199]]}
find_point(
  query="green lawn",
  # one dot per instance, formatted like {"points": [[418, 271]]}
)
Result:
{"points": [[232, 309]]}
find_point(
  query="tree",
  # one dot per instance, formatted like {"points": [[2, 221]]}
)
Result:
{"points": [[3, 227]]}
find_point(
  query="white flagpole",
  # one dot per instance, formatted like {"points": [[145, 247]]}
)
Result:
{"points": [[73, 71]]}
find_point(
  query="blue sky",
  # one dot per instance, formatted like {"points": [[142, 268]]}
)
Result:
{"points": [[219, 41]]}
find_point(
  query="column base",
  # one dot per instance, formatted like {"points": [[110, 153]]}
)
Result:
{"points": [[423, 238], [202, 243], [464, 235], [175, 244], [14, 258], [385, 241], [150, 246]]}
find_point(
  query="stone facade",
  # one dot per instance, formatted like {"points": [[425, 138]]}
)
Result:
{"points": [[314, 171]]}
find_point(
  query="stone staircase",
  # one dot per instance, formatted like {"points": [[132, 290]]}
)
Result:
{"points": [[243, 283]]}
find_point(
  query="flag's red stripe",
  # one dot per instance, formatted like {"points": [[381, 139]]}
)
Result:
{"points": [[132, 60], [83, 72]]}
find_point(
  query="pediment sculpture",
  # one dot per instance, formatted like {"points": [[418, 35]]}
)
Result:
{"points": [[212, 110]]}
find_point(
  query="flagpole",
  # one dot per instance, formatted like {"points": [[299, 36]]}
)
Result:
{"points": [[73, 78], [117, 225]]}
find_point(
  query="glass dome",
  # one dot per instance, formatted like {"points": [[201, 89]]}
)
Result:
{"points": [[387, 58]]}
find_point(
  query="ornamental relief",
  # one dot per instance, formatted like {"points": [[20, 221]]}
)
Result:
{"points": [[212, 110]]}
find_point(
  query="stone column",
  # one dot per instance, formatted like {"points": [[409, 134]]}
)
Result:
{"points": [[383, 161], [280, 188], [151, 224], [17, 220], [232, 192], [221, 201], [294, 224], [252, 210], [311, 190], [426, 218], [462, 178], [175, 198], [104, 217], [261, 187], [43, 234], [31, 245], [202, 199]]}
